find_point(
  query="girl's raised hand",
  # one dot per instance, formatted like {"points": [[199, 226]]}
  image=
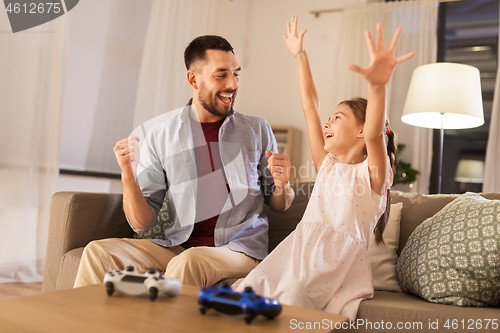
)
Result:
{"points": [[294, 42], [382, 61]]}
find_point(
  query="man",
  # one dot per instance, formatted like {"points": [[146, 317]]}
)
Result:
{"points": [[213, 168]]}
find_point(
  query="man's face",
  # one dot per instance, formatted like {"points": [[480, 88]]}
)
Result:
{"points": [[218, 82]]}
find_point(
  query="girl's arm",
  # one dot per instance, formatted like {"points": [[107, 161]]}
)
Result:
{"points": [[308, 94], [377, 74]]}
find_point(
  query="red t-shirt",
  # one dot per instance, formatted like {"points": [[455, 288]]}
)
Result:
{"points": [[212, 187]]}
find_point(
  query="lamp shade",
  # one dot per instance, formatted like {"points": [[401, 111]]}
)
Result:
{"points": [[470, 171], [450, 89]]}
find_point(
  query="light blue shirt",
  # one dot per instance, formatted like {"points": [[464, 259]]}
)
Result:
{"points": [[167, 166]]}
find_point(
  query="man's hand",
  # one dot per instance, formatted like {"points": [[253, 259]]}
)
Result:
{"points": [[283, 194], [127, 155], [279, 165], [294, 43], [136, 208]]}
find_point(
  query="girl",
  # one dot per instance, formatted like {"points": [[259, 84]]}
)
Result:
{"points": [[323, 264]]}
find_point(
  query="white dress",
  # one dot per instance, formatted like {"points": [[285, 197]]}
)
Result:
{"points": [[323, 263]]}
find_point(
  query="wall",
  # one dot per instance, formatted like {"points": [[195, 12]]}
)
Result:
{"points": [[88, 184], [106, 39], [269, 82]]}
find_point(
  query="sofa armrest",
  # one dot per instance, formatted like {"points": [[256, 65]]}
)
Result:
{"points": [[76, 219]]}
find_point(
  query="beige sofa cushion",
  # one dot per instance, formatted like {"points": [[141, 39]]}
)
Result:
{"points": [[77, 218], [68, 269], [383, 257], [417, 208]]}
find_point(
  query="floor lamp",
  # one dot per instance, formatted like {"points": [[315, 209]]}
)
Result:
{"points": [[444, 96], [469, 172]]}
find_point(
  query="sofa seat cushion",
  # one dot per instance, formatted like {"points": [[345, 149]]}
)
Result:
{"points": [[68, 269], [454, 257], [403, 309]]}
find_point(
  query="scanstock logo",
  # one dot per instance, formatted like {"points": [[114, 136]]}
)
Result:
{"points": [[28, 14]]}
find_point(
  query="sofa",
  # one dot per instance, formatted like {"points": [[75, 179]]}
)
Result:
{"points": [[76, 218]]}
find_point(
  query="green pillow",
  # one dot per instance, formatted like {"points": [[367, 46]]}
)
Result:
{"points": [[453, 257], [164, 222]]}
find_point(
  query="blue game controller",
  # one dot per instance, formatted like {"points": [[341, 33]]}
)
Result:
{"points": [[225, 300]]}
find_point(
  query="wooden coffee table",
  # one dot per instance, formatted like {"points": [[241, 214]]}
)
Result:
{"points": [[90, 310]]}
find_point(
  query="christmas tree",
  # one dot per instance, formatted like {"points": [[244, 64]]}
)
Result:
{"points": [[403, 172]]}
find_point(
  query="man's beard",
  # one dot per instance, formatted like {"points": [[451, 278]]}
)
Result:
{"points": [[211, 106]]}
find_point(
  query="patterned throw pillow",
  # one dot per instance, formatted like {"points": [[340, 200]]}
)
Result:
{"points": [[164, 222], [453, 257]]}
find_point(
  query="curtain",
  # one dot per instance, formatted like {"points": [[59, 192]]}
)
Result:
{"points": [[418, 19], [106, 42], [32, 71], [173, 24], [491, 177]]}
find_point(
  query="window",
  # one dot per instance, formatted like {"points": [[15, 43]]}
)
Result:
{"points": [[470, 36]]}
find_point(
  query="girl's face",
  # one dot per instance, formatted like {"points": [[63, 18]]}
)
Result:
{"points": [[343, 133]]}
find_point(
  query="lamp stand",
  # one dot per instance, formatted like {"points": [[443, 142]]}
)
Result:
{"points": [[441, 145]]}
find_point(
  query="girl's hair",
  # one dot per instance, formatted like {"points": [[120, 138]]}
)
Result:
{"points": [[358, 107]]}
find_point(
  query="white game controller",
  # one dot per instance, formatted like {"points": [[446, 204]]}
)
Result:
{"points": [[133, 283]]}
